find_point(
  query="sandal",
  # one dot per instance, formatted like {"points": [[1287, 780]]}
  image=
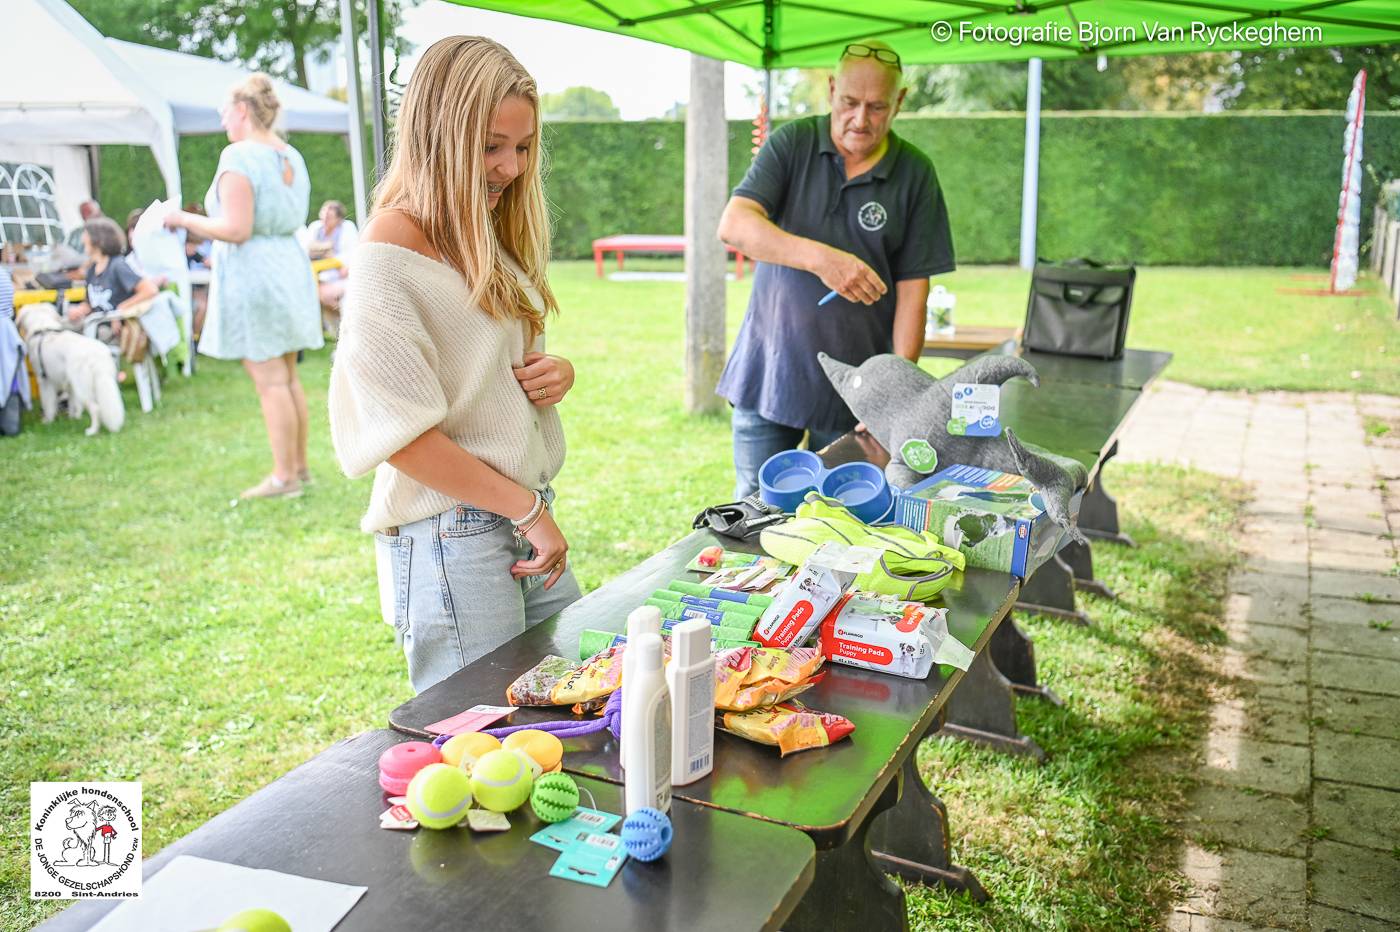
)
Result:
{"points": [[272, 487], [304, 476]]}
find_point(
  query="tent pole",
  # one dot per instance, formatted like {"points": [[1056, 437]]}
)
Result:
{"points": [[357, 107], [376, 84], [1030, 180], [706, 190]]}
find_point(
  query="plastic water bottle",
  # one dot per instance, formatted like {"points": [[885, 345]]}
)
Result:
{"points": [[939, 321]]}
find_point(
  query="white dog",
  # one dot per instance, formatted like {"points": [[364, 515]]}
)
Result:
{"points": [[68, 361]]}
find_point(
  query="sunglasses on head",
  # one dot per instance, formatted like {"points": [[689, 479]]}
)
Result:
{"points": [[856, 50]]}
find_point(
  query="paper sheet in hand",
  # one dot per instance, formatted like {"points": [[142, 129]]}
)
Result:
{"points": [[196, 893]]}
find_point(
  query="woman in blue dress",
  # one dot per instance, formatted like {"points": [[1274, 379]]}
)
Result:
{"points": [[262, 297]]}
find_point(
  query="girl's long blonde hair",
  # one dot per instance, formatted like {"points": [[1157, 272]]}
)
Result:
{"points": [[438, 177]]}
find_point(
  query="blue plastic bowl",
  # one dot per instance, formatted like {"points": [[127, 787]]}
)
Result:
{"points": [[784, 478], [862, 488]]}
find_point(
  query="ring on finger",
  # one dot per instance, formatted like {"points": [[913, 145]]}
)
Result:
{"points": [[541, 393]]}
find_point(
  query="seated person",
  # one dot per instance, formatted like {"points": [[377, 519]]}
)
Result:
{"points": [[331, 235], [112, 285], [196, 249]]}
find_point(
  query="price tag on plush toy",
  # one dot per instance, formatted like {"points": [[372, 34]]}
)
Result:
{"points": [[919, 456], [976, 410]]}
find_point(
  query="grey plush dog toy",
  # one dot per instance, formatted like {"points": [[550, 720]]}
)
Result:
{"points": [[899, 402]]}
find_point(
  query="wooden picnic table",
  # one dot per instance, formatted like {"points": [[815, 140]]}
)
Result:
{"points": [[649, 242], [967, 341], [321, 820], [26, 296]]}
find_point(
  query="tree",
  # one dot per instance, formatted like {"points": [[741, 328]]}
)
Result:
{"points": [[578, 103], [1310, 79], [276, 36]]}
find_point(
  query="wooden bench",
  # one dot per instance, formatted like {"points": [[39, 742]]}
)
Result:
{"points": [[652, 243]]}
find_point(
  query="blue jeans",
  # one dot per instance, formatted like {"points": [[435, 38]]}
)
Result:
{"points": [[756, 438], [445, 586]]}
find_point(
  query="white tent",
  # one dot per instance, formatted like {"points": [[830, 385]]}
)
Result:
{"points": [[63, 84], [195, 87]]}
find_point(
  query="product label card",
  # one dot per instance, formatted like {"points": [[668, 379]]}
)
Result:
{"points": [[484, 820], [594, 859], [976, 410], [473, 719], [584, 822]]}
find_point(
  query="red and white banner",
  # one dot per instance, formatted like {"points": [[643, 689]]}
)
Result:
{"points": [[1346, 243]]}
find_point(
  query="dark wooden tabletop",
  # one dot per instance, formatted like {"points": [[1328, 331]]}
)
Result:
{"points": [[825, 792], [321, 820], [1137, 369], [1075, 419]]}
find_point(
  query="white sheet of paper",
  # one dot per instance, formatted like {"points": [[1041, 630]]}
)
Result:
{"points": [[195, 893]]}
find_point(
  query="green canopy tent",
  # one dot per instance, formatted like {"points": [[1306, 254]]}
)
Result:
{"points": [[811, 33], [772, 34]]}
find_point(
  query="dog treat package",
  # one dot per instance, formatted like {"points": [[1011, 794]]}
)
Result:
{"points": [[801, 605], [536, 685], [790, 727], [588, 687], [885, 634], [753, 677]]}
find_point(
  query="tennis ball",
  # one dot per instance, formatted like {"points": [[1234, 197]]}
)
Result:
{"points": [[255, 920], [646, 834], [464, 749], [555, 797], [438, 796], [501, 780], [546, 749]]}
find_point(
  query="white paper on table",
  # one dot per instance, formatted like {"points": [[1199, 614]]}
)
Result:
{"points": [[196, 893]]}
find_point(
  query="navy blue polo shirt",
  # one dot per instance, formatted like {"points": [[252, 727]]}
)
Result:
{"points": [[892, 217]]}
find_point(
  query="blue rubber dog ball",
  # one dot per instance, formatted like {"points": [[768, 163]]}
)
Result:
{"points": [[646, 834]]}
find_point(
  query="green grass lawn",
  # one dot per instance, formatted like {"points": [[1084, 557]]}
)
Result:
{"points": [[151, 630]]}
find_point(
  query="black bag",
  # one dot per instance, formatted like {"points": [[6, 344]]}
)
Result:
{"points": [[1079, 308]]}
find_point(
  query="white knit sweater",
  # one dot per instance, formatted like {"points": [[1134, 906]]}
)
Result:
{"points": [[414, 354]]}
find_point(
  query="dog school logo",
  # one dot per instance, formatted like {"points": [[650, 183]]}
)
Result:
{"points": [[871, 216], [84, 840]]}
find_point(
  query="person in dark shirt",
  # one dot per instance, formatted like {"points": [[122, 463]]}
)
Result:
{"points": [[840, 204], [112, 285]]}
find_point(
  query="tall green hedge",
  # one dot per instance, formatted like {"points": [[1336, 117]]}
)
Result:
{"points": [[129, 176], [1218, 189]]}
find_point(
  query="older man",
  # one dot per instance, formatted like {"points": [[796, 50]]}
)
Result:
{"points": [[831, 203]]}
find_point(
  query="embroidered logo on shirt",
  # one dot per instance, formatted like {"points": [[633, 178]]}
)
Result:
{"points": [[871, 216]]}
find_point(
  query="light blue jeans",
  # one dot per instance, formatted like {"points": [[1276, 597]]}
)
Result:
{"points": [[445, 586]]}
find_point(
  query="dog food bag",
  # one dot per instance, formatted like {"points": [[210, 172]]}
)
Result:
{"points": [[885, 634], [536, 685], [789, 727], [800, 606]]}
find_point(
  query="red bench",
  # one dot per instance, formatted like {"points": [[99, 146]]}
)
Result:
{"points": [[643, 242]]}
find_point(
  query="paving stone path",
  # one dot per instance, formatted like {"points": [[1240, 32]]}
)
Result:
{"points": [[1296, 823]]}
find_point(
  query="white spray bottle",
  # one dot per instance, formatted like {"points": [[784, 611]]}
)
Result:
{"points": [[646, 721], [645, 619], [690, 676]]}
